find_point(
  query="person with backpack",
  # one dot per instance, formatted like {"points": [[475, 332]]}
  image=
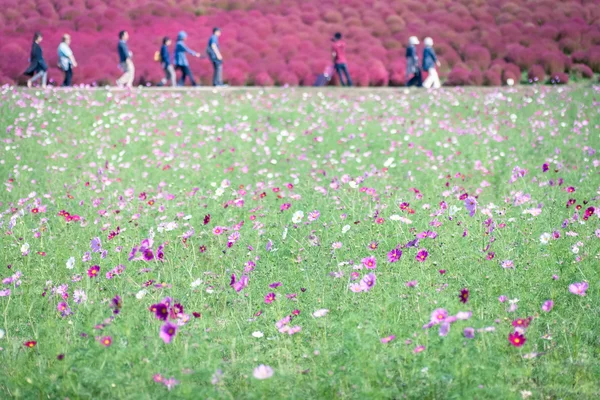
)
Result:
{"points": [[180, 59], [214, 53], [66, 59], [125, 61], [413, 70], [165, 60], [338, 51], [430, 61], [37, 65]]}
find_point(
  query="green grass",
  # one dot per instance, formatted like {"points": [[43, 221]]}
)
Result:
{"points": [[56, 142]]}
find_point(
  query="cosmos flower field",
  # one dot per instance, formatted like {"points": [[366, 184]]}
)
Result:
{"points": [[300, 243]]}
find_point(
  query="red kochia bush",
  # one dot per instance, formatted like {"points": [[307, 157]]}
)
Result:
{"points": [[262, 79], [536, 74], [492, 77], [582, 71], [559, 79], [458, 77]]}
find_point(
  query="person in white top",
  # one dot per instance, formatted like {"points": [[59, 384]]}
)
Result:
{"points": [[66, 59]]}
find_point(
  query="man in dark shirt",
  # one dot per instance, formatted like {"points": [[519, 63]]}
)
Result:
{"points": [[125, 61], [165, 60], [214, 53], [338, 51]]}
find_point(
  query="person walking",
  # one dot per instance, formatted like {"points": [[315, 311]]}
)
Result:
{"points": [[125, 61], [165, 60], [338, 51], [413, 70], [181, 61], [66, 59], [430, 61], [37, 65], [214, 53]]}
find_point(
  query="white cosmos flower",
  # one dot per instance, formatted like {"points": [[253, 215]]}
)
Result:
{"points": [[71, 262], [297, 217], [197, 283], [258, 334], [320, 313], [25, 248], [346, 228], [575, 249], [140, 295], [545, 238]]}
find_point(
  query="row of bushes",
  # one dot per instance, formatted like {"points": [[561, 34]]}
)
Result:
{"points": [[274, 42]]}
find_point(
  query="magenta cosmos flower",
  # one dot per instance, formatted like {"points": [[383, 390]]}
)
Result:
{"points": [[168, 332], [394, 255], [578, 288], [93, 271], [422, 255]]}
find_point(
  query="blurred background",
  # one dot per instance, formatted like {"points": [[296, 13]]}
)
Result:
{"points": [[287, 42]]}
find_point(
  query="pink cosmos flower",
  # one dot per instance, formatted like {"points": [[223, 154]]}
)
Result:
{"points": [[388, 339], [168, 332], [419, 349], [269, 298], [370, 262], [367, 282], [547, 306], [471, 205], [239, 285], [438, 315], [578, 288]]}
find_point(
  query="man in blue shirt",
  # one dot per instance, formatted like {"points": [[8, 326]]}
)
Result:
{"points": [[181, 61], [125, 61], [214, 53]]}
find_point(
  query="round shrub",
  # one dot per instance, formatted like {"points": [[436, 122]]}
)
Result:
{"points": [[458, 77], [479, 55], [262, 79], [559, 79], [582, 71], [536, 74], [492, 77], [475, 77], [236, 76], [287, 78], [511, 71]]}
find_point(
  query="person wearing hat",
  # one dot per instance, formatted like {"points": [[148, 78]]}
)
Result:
{"points": [[430, 61], [180, 59], [413, 70]]}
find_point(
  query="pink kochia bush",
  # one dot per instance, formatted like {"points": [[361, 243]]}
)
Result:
{"points": [[288, 43]]}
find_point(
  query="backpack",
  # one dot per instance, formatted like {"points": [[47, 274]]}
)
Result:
{"points": [[157, 57]]}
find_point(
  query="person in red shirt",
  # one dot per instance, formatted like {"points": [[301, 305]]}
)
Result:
{"points": [[338, 51]]}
